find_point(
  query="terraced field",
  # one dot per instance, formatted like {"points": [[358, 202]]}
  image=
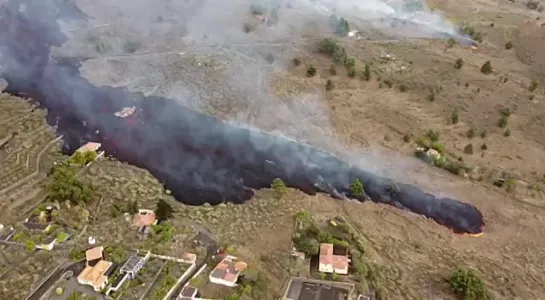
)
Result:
{"points": [[27, 144]]}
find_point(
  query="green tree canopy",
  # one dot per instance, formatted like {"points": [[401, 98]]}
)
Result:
{"points": [[163, 211], [66, 186], [356, 188], [467, 285]]}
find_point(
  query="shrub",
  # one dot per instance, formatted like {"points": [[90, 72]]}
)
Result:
{"points": [[296, 61], [332, 70], [164, 232], [329, 85], [407, 137], [508, 45], [403, 88], [356, 188], [433, 135], [484, 147], [471, 132], [451, 42], [247, 28], [439, 147], [468, 149], [62, 237], [458, 63], [532, 4], [349, 62], [475, 35], [30, 246], [454, 118], [352, 72], [483, 133], [311, 71], [467, 285], [366, 75], [163, 211], [507, 132], [510, 185], [59, 291], [336, 52], [533, 85], [279, 188], [486, 68], [503, 121]]}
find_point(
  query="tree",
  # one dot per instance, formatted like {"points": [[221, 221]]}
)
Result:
{"points": [[66, 186], [306, 244], [117, 254], [163, 210], [467, 285], [89, 156], [77, 158], [356, 188], [486, 68], [329, 85], [164, 232], [279, 188], [311, 71]]}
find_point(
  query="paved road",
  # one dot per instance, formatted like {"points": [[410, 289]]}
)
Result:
{"points": [[76, 268]]}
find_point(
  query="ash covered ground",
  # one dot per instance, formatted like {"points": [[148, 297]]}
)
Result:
{"points": [[146, 48]]}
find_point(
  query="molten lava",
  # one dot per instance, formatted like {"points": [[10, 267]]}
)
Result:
{"points": [[199, 158]]}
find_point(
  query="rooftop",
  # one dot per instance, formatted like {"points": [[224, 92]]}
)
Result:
{"points": [[229, 269], [91, 146], [95, 276], [94, 253], [131, 263], [327, 257], [188, 292], [144, 217]]}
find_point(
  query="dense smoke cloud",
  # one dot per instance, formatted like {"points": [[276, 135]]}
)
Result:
{"points": [[197, 53]]}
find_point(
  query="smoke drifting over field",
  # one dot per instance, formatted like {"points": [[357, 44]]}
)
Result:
{"points": [[141, 44]]}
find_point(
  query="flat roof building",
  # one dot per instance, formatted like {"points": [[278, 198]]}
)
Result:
{"points": [[308, 289]]}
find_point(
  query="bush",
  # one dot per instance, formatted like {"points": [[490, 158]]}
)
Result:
{"points": [[389, 83], [475, 35], [296, 61], [439, 147], [454, 118], [349, 62], [311, 71], [131, 46], [532, 4], [508, 45], [366, 75], [164, 232], [66, 186], [433, 135], [459, 63], [507, 132], [467, 285], [336, 52], [62, 237], [332, 70], [471, 132], [329, 85], [279, 188], [503, 121], [407, 137], [30, 246], [468, 149], [76, 255], [486, 68], [352, 72], [356, 188], [403, 88], [163, 211], [59, 291], [484, 133]]}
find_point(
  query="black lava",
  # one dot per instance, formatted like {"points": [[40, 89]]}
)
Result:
{"points": [[199, 158]]}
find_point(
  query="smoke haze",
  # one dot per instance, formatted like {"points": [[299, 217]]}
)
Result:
{"points": [[198, 53]]}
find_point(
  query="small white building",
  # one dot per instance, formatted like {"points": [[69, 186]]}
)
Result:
{"points": [[47, 244]]}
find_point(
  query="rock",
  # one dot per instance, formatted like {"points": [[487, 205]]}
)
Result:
{"points": [[434, 154], [206, 204], [168, 192], [222, 204]]}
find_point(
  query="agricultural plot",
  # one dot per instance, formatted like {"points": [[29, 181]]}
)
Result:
{"points": [[167, 280], [134, 289], [26, 142]]}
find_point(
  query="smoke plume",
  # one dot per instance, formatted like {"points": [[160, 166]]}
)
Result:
{"points": [[136, 53]]}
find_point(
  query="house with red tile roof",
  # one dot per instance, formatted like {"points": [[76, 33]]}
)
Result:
{"points": [[227, 271], [331, 263]]}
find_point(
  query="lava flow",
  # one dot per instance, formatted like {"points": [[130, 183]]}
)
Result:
{"points": [[199, 158]]}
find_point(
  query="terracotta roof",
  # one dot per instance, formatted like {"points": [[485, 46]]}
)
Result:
{"points": [[94, 276], [144, 218], [229, 269], [327, 258], [94, 253], [91, 146]]}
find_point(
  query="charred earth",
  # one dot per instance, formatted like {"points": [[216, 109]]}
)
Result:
{"points": [[198, 157]]}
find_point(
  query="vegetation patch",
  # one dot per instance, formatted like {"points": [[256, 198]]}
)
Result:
{"points": [[467, 285]]}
